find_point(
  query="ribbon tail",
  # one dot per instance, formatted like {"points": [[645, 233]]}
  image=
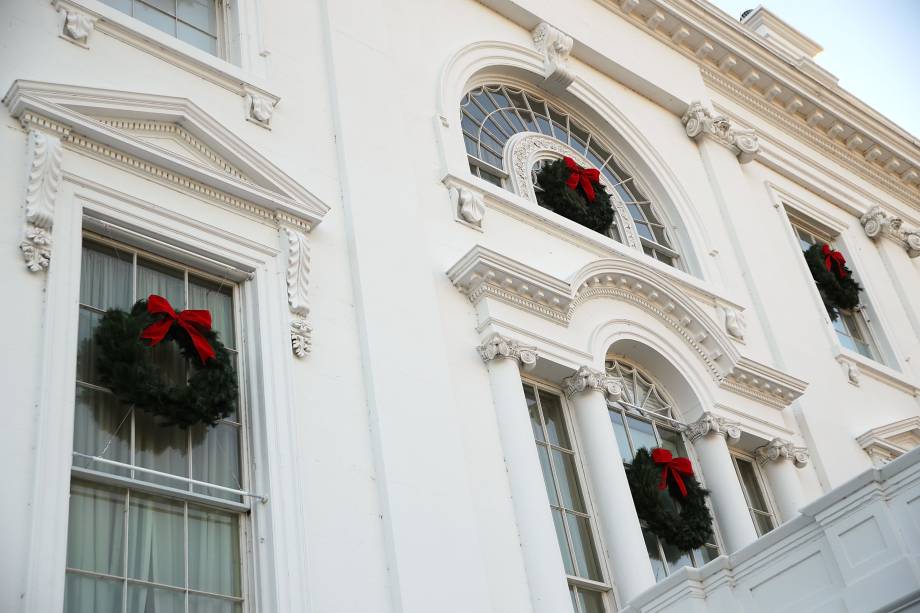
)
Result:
{"points": [[156, 331], [680, 484], [587, 188], [202, 347], [664, 479]]}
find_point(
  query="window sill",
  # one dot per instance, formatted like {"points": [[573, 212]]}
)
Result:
{"points": [[138, 34], [878, 371]]}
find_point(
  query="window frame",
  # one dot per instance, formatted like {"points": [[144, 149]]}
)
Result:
{"points": [[242, 510], [765, 491], [605, 588]]}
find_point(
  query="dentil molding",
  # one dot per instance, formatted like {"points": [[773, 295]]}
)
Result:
{"points": [[45, 156], [500, 347], [876, 223], [588, 379], [709, 424], [781, 449], [555, 46], [298, 280], [700, 122]]}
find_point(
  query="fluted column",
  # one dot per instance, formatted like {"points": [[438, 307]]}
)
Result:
{"points": [[632, 572], [780, 459], [542, 558], [708, 435]]}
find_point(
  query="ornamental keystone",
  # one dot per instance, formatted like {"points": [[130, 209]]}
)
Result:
{"points": [[497, 346], [712, 424], [778, 449], [586, 378]]}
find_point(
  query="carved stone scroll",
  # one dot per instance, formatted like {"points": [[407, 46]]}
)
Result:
{"points": [[586, 378], [700, 122], [298, 280], [876, 222], [497, 346], [555, 47], [782, 449], [45, 156], [712, 424]]}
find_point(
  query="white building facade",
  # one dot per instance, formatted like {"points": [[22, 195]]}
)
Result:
{"points": [[440, 380]]}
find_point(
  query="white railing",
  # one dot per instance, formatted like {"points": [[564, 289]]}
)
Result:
{"points": [[854, 550]]}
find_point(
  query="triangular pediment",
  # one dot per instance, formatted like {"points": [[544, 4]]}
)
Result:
{"points": [[171, 135]]}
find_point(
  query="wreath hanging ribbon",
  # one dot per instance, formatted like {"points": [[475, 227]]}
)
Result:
{"points": [[194, 322], [582, 177], [675, 467], [834, 259]]}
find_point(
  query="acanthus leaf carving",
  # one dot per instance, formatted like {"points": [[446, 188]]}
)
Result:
{"points": [[700, 122], [498, 346], [556, 48], [298, 280], [45, 155], [709, 424], [588, 379], [779, 449], [876, 222]]}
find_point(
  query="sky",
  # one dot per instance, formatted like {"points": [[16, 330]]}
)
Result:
{"points": [[872, 46]]}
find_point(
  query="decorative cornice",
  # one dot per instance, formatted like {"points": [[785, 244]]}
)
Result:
{"points": [[555, 47], [45, 156], [890, 441], [781, 449], [709, 424], [298, 281], [700, 122], [498, 346], [588, 379], [762, 383], [876, 222]]}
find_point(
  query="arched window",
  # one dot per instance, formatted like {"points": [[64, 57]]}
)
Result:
{"points": [[492, 114], [645, 417]]}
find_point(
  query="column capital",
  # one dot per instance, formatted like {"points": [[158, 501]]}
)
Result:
{"points": [[779, 449], [497, 346], [712, 424], [588, 379], [700, 122]]}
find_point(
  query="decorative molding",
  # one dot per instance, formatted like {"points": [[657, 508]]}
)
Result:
{"points": [[555, 47], [43, 183], [259, 107], [886, 443], [588, 379], [762, 383], [778, 449], [713, 424], [298, 281], [75, 26], [876, 222], [700, 122], [734, 323], [497, 346], [468, 205]]}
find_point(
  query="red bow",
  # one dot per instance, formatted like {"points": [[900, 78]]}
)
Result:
{"points": [[834, 259], [585, 177], [193, 322], [674, 466]]}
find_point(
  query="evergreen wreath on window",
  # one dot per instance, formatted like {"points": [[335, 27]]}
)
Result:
{"points": [[669, 499], [835, 281], [125, 365], [575, 193]]}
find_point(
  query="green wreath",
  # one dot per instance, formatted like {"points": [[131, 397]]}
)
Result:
{"points": [[835, 281], [124, 365], [682, 521], [573, 203]]}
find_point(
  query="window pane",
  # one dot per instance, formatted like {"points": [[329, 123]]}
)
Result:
{"points": [[167, 6], [203, 294], [156, 543], [102, 427], [564, 463], [676, 558], [616, 418], [534, 412], [164, 449], [705, 554], [672, 441], [155, 18], [96, 529], [144, 599], [197, 38], [764, 523], [86, 346], [83, 594], [203, 604], [122, 5], [642, 434], [563, 542], [590, 602], [216, 459], [555, 424], [548, 475], [154, 278], [583, 546], [654, 556], [751, 486], [213, 552], [199, 13], [105, 277]]}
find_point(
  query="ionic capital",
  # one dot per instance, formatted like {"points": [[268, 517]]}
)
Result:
{"points": [[876, 222], [588, 379], [700, 122], [497, 346], [779, 449], [713, 424]]}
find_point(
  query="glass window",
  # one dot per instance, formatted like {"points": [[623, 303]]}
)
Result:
{"points": [[752, 484], [156, 513], [644, 418], [196, 22], [571, 515], [490, 114]]}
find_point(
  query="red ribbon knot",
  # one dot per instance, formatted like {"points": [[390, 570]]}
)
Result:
{"points": [[582, 177], [672, 466], [193, 322], [834, 259]]}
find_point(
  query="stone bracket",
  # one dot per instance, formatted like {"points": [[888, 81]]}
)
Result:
{"points": [[555, 46]]}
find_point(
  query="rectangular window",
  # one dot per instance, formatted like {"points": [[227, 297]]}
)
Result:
{"points": [[571, 515], [852, 327], [755, 494], [198, 22], [157, 514]]}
